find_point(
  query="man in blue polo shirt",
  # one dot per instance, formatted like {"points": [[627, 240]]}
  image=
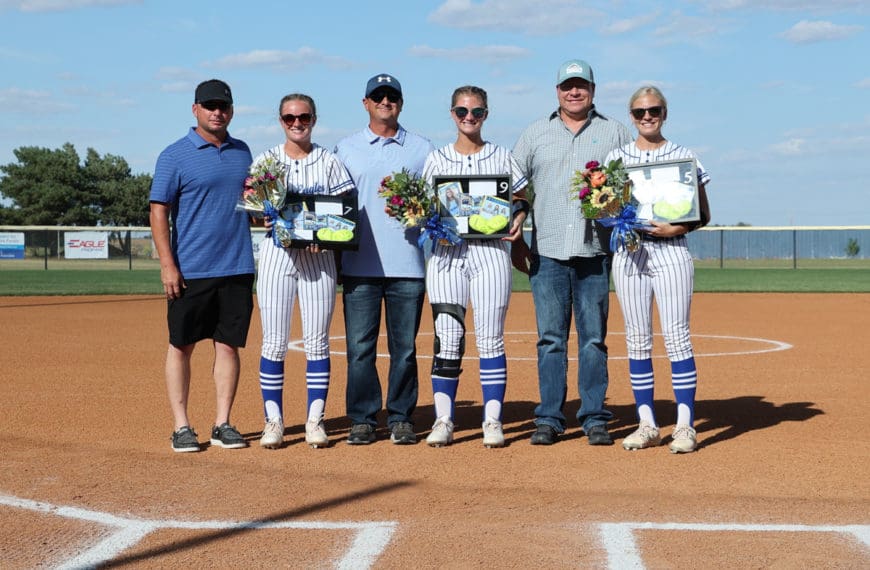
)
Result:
{"points": [[206, 259], [388, 268]]}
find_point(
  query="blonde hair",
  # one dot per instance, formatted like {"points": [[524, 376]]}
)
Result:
{"points": [[648, 90]]}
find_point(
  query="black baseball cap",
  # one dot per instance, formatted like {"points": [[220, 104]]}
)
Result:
{"points": [[213, 90]]}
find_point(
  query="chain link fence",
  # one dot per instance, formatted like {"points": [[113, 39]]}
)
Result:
{"points": [[131, 248]]}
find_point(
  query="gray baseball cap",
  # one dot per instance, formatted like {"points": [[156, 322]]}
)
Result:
{"points": [[575, 68]]}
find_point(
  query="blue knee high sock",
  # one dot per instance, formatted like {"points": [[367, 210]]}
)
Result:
{"points": [[444, 393], [493, 381], [642, 385], [272, 387], [317, 381], [684, 378]]}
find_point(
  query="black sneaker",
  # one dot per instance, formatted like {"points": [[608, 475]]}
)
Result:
{"points": [[185, 440], [544, 435], [598, 435], [361, 434], [227, 437], [402, 433]]}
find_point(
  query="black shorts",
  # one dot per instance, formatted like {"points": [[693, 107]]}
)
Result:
{"points": [[218, 308]]}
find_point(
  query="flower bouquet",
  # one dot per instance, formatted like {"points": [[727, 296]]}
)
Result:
{"points": [[412, 202], [264, 191], [605, 195], [408, 198]]}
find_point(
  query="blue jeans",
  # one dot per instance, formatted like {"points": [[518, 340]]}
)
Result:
{"points": [[584, 283], [403, 301]]}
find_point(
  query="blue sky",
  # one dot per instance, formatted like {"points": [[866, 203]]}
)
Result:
{"points": [[769, 93]]}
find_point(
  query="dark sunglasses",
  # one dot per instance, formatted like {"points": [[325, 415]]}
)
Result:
{"points": [[215, 105], [378, 95], [654, 112], [290, 119], [477, 112]]}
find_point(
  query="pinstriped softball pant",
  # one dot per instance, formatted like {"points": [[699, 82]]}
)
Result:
{"points": [[660, 269], [284, 274], [479, 270]]}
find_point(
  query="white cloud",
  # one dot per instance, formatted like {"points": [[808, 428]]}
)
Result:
{"points": [[785, 5], [59, 5], [687, 29], [543, 17], [791, 147], [864, 83], [280, 59], [490, 54], [28, 101], [630, 24], [805, 32], [178, 79]]}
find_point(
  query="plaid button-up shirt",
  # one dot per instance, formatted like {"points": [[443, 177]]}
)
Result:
{"points": [[549, 153]]}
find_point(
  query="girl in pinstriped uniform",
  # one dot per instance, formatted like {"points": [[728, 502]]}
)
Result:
{"points": [[662, 268], [309, 273], [479, 270]]}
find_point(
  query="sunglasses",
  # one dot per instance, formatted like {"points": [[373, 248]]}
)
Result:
{"points": [[289, 119], [215, 105], [462, 112], [654, 112], [378, 95]]}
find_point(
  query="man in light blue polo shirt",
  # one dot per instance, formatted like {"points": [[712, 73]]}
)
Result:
{"points": [[570, 257], [388, 268], [206, 261]]}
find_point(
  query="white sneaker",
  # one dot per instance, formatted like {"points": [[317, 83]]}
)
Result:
{"points": [[493, 436], [646, 435], [315, 433], [684, 439], [273, 434], [442, 433]]}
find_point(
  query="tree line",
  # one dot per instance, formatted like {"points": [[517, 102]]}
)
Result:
{"points": [[48, 187]]}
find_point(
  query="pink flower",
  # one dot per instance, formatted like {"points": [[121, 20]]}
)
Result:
{"points": [[584, 192], [396, 200], [597, 178], [592, 164]]}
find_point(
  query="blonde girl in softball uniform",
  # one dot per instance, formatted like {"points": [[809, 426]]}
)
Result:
{"points": [[662, 268], [309, 273], [475, 270]]}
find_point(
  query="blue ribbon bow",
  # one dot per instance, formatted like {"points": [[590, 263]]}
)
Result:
{"points": [[270, 212], [625, 227], [435, 230]]}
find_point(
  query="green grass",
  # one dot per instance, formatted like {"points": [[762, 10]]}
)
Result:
{"points": [[765, 280], [147, 281], [80, 282]]}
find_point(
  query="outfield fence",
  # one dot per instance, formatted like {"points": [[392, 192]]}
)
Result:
{"points": [[131, 248]]}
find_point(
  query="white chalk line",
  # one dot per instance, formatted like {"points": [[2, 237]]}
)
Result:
{"points": [[768, 345], [370, 540], [622, 551]]}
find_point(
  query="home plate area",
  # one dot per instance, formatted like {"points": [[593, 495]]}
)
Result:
{"points": [[81, 538]]}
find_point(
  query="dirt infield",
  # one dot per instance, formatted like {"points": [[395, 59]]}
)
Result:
{"points": [[780, 480]]}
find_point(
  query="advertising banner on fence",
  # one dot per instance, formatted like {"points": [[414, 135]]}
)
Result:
{"points": [[11, 245], [86, 245]]}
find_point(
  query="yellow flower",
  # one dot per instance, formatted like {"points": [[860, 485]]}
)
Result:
{"points": [[601, 197]]}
